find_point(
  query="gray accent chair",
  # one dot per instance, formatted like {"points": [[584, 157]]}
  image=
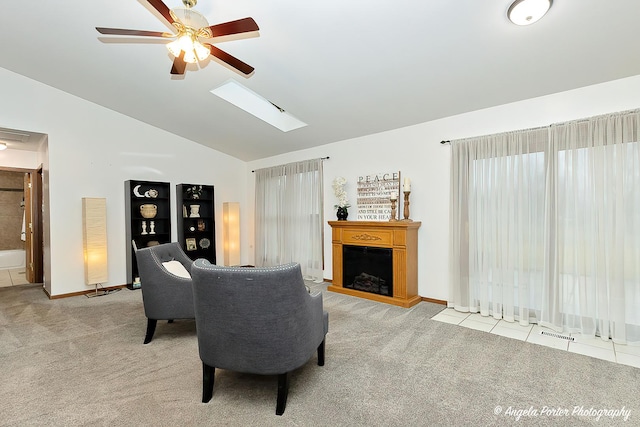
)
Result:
{"points": [[257, 321], [165, 296]]}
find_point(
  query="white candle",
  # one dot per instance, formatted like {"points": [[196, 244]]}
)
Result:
{"points": [[407, 184], [394, 196]]}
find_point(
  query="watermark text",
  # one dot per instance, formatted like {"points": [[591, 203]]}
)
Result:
{"points": [[518, 413]]}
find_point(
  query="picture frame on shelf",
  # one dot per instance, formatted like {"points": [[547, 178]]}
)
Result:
{"points": [[191, 244]]}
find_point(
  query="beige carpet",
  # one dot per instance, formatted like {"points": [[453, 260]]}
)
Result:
{"points": [[81, 361]]}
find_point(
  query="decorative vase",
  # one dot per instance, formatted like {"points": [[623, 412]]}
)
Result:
{"points": [[342, 213], [148, 211], [195, 211]]}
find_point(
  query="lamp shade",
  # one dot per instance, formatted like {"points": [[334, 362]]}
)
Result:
{"points": [[94, 240], [201, 51], [231, 232], [526, 12]]}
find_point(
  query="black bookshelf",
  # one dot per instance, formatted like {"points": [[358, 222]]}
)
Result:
{"points": [[143, 226], [196, 220]]}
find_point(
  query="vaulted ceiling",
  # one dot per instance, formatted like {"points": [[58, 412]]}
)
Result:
{"points": [[346, 68]]}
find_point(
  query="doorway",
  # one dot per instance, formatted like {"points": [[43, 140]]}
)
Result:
{"points": [[25, 210]]}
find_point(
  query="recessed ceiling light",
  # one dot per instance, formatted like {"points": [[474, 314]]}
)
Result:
{"points": [[244, 98], [526, 12]]}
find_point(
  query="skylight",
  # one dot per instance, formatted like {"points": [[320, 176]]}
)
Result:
{"points": [[252, 103]]}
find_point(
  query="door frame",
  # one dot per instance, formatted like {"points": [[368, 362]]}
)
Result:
{"points": [[34, 270]]}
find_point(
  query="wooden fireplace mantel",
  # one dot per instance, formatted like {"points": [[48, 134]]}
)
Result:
{"points": [[400, 236]]}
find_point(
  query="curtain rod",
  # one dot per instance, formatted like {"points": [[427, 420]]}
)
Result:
{"points": [[499, 133], [321, 158], [584, 119]]}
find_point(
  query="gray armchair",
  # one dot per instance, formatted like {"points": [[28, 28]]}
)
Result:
{"points": [[257, 321], [166, 295]]}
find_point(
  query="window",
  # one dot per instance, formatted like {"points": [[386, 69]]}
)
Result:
{"points": [[546, 226]]}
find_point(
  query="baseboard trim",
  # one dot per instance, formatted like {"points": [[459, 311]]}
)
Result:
{"points": [[90, 291], [435, 301]]}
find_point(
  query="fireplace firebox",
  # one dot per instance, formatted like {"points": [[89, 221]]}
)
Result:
{"points": [[368, 269]]}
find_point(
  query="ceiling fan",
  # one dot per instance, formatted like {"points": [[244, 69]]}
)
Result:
{"points": [[191, 28]]}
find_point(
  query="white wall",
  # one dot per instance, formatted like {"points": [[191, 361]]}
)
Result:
{"points": [[416, 151], [19, 159], [91, 152]]}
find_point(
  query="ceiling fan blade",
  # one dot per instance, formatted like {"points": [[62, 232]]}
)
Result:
{"points": [[244, 25], [229, 59], [123, 32], [163, 9], [179, 65]]}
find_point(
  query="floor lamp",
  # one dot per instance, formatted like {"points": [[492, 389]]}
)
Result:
{"points": [[94, 240], [231, 232]]}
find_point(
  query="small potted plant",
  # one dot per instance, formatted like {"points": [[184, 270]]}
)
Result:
{"points": [[194, 192], [343, 204]]}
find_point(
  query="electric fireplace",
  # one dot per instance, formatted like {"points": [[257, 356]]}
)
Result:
{"points": [[376, 260]]}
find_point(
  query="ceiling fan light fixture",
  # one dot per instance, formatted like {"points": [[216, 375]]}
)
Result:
{"points": [[193, 50], [174, 47], [526, 12], [201, 51], [187, 41], [190, 57]]}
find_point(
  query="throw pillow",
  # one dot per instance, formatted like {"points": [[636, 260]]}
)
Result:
{"points": [[175, 267]]}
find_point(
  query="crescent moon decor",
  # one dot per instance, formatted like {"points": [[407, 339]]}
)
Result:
{"points": [[136, 192]]}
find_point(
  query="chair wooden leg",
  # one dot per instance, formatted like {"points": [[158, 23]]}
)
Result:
{"points": [[208, 377], [151, 328], [321, 353], [283, 392]]}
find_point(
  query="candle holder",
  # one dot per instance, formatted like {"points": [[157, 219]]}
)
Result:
{"points": [[406, 206], [393, 210]]}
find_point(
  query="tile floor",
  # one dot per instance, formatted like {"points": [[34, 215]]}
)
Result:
{"points": [[12, 277], [593, 347]]}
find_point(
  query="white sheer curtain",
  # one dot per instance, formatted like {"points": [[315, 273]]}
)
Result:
{"points": [[546, 226], [289, 219], [593, 277], [497, 224]]}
